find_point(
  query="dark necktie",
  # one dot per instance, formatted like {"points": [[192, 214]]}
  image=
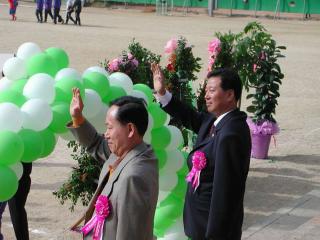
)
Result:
{"points": [[211, 132]]}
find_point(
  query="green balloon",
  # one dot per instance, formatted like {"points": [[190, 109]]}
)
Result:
{"points": [[41, 63], [61, 116], [98, 82], [12, 97], [33, 145], [114, 93], [162, 157], [11, 148], [159, 116], [64, 89], [59, 55], [145, 89], [49, 142], [8, 183], [160, 138], [162, 219], [19, 85]]}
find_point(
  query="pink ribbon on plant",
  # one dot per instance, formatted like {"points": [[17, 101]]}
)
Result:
{"points": [[97, 221], [199, 162]]}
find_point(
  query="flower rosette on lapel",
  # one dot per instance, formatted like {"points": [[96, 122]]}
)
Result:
{"points": [[199, 162], [102, 209]]}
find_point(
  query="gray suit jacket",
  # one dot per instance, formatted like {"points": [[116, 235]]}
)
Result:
{"points": [[132, 187]]}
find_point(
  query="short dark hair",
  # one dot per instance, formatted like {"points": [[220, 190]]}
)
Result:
{"points": [[132, 110], [229, 80]]}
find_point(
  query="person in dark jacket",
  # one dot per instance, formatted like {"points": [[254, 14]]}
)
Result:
{"points": [[2, 207], [56, 12], [47, 9], [214, 199], [77, 6], [39, 10]]}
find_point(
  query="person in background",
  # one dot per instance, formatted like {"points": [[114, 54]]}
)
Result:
{"points": [[77, 6], [56, 12], [39, 9], [2, 207], [13, 4], [47, 9], [69, 10]]}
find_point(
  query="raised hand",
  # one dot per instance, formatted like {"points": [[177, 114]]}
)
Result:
{"points": [[158, 79], [76, 105]]}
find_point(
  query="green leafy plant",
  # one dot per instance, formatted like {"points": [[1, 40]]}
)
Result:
{"points": [[84, 178]]}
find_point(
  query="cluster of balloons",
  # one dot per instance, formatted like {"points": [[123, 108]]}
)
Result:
{"points": [[34, 109]]}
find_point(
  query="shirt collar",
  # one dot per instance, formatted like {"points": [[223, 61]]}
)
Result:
{"points": [[220, 118]]}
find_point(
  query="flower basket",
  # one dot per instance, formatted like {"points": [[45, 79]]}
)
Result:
{"points": [[260, 137]]}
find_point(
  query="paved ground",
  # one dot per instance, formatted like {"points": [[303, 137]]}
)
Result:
{"points": [[272, 185]]}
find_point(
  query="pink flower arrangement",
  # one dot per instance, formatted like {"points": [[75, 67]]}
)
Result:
{"points": [[214, 48], [171, 46], [125, 63], [199, 162], [264, 128]]}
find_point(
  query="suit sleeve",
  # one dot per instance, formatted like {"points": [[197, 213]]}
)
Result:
{"points": [[231, 168], [189, 117], [133, 209], [94, 143]]}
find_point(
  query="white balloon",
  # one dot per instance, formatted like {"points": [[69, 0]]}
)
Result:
{"points": [[27, 50], [176, 138], [167, 181], [177, 227], [67, 136], [92, 103], [14, 68], [10, 117], [139, 94], [167, 120], [122, 80], [98, 121], [68, 73], [40, 85], [162, 195], [18, 169], [174, 236], [147, 135], [96, 69], [37, 114], [5, 84], [175, 160]]}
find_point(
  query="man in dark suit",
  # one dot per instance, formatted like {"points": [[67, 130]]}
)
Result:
{"points": [[214, 210], [17, 204]]}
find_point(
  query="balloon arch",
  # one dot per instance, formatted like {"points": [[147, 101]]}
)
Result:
{"points": [[34, 108]]}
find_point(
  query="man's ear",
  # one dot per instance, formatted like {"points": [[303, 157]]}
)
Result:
{"points": [[132, 129]]}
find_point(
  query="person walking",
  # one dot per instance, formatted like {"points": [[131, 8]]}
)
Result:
{"points": [[47, 9], [13, 4], [77, 6], [69, 10], [39, 10], [56, 12]]}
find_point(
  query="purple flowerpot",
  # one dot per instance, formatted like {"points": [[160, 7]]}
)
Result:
{"points": [[260, 145]]}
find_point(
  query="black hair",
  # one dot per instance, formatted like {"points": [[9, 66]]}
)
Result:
{"points": [[132, 110], [229, 80]]}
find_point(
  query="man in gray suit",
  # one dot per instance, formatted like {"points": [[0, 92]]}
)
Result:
{"points": [[129, 177]]}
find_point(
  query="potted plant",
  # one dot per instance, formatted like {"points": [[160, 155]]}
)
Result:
{"points": [[258, 54]]}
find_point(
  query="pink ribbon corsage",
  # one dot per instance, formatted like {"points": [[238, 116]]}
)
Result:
{"points": [[97, 221], [199, 162]]}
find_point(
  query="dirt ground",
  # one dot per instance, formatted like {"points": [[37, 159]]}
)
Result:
{"points": [[295, 166]]}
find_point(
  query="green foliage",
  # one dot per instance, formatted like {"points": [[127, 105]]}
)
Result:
{"points": [[257, 54], [184, 67], [84, 179], [145, 57]]}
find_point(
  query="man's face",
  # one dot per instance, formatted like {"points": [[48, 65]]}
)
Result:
{"points": [[117, 135], [217, 99]]}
